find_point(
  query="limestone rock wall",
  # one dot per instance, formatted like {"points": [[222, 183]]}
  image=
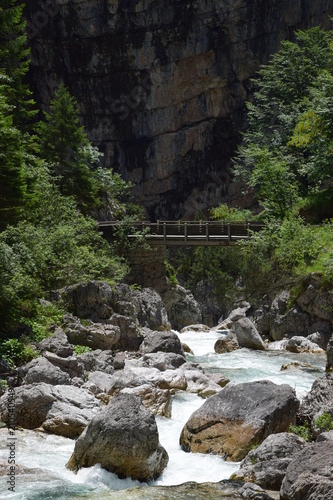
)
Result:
{"points": [[162, 84]]}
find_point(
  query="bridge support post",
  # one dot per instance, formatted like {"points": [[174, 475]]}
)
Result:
{"points": [[148, 268]]}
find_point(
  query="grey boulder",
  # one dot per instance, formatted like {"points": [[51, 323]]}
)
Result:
{"points": [[309, 475], [123, 438], [62, 409], [238, 417], [267, 464]]}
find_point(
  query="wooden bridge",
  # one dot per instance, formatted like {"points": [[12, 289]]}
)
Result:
{"points": [[184, 233]]}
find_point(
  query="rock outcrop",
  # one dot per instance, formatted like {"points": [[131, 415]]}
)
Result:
{"points": [[329, 353], [154, 341], [318, 400], [41, 370], [267, 464], [123, 438], [239, 416], [162, 88], [309, 475], [182, 308]]}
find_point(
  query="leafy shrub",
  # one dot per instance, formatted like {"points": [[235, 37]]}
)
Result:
{"points": [[81, 349], [301, 430], [15, 352], [324, 422], [223, 212]]}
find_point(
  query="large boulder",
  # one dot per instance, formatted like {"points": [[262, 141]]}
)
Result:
{"points": [[247, 335], [87, 300], [41, 370], [70, 365], [123, 438], [238, 417], [57, 343], [318, 400], [62, 409], [166, 341], [309, 475], [182, 308], [329, 353], [267, 464], [150, 310]]}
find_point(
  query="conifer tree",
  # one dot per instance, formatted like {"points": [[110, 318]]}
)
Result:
{"points": [[14, 61], [12, 164], [66, 148]]}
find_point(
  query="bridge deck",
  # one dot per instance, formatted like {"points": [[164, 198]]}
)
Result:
{"points": [[185, 233]]}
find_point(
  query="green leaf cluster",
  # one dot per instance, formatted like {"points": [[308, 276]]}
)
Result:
{"points": [[287, 150]]}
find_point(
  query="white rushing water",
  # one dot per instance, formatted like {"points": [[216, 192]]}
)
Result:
{"points": [[51, 453]]}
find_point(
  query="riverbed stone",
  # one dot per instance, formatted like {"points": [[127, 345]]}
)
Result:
{"points": [[267, 464], [157, 401], [57, 343], [238, 417], [162, 360], [155, 341], [227, 490], [227, 343], [41, 370], [62, 409], [247, 335], [98, 360], [309, 475], [123, 438], [98, 382], [299, 344], [325, 436], [71, 365]]}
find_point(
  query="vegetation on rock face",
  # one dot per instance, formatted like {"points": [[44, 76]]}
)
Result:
{"points": [[287, 156], [287, 150], [50, 185]]}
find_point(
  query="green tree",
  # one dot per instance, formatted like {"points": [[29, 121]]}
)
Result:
{"points": [[291, 84], [14, 61], [313, 133], [13, 183], [66, 148]]}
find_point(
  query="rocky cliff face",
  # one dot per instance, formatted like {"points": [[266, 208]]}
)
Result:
{"points": [[162, 85]]}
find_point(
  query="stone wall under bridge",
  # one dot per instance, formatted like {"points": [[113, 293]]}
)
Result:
{"points": [[148, 268]]}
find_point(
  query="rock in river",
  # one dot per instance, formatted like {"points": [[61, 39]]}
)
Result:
{"points": [[123, 438], [238, 417]]}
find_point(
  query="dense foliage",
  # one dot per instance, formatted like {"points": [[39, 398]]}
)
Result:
{"points": [[50, 186], [287, 150]]}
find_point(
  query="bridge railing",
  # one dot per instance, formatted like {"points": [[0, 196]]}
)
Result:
{"points": [[186, 232]]}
